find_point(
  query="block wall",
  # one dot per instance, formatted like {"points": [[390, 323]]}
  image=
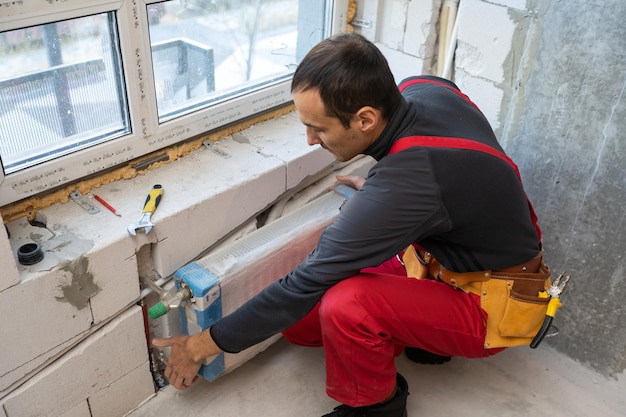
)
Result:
{"points": [[553, 95]]}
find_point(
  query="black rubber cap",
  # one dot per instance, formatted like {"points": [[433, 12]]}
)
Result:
{"points": [[30, 254]]}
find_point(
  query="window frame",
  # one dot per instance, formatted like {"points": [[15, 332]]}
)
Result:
{"points": [[147, 135]]}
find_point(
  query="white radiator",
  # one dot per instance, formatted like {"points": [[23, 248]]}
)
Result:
{"points": [[229, 276]]}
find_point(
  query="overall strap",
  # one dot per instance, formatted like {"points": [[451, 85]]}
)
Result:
{"points": [[459, 143], [414, 81]]}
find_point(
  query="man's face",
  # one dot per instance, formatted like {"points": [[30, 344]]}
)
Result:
{"points": [[326, 131]]}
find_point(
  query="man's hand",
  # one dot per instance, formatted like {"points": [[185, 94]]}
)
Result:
{"points": [[353, 181], [186, 357]]}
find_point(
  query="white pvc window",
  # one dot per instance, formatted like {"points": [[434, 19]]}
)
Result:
{"points": [[88, 85]]}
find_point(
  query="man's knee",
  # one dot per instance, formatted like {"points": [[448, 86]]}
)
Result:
{"points": [[342, 303]]}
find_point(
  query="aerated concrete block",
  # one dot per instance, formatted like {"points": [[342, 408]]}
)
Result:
{"points": [[402, 65], [487, 96], [284, 138], [107, 356], [9, 276], [79, 283], [228, 183], [392, 15], [421, 30], [37, 324], [197, 213], [80, 410], [123, 395], [99, 260], [485, 38], [115, 275]]}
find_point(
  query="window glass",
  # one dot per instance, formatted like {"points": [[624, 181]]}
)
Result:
{"points": [[61, 89], [204, 51]]}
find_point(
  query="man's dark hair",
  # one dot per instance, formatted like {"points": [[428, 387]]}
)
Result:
{"points": [[349, 72]]}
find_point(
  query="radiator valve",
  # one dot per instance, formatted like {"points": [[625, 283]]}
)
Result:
{"points": [[170, 300]]}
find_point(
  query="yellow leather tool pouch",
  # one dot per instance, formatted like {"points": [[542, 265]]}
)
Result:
{"points": [[510, 297], [514, 309], [420, 264]]}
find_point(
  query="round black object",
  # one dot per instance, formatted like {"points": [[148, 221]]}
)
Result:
{"points": [[30, 254]]}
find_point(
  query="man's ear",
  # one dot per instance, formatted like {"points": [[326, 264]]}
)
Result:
{"points": [[368, 118]]}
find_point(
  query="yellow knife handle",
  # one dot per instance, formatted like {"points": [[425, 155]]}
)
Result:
{"points": [[153, 199]]}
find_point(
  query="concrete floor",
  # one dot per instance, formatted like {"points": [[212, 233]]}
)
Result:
{"points": [[288, 381]]}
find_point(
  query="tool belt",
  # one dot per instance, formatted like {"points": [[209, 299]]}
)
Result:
{"points": [[509, 296]]}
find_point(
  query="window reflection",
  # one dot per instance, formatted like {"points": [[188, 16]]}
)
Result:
{"points": [[60, 89], [204, 51]]}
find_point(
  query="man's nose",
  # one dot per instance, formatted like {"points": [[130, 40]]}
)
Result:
{"points": [[312, 138]]}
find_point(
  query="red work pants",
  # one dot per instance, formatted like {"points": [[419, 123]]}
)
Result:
{"points": [[364, 321]]}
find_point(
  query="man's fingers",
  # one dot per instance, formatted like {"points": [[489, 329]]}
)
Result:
{"points": [[179, 382], [187, 383], [353, 181], [162, 342]]}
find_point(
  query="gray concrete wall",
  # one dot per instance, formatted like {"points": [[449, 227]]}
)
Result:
{"points": [[565, 127], [550, 76]]}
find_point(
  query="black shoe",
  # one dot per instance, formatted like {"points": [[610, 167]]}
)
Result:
{"points": [[425, 357], [395, 407]]}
